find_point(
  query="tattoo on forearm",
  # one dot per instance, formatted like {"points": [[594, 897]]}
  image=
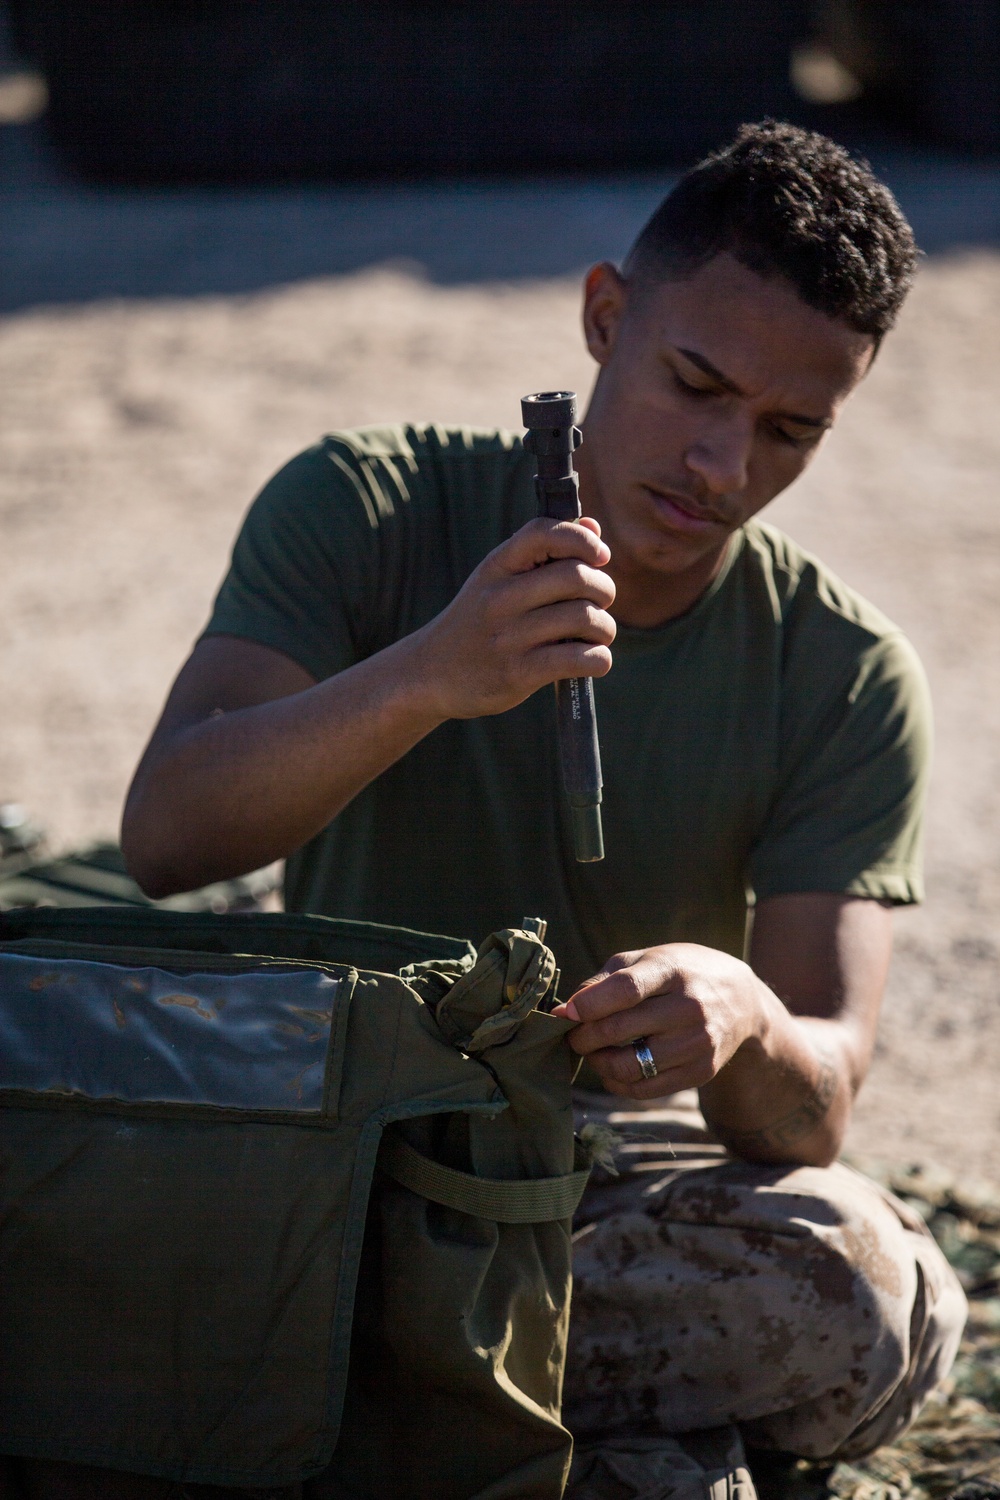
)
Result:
{"points": [[798, 1123]]}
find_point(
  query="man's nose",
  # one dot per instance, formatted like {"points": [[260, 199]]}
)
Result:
{"points": [[720, 457]]}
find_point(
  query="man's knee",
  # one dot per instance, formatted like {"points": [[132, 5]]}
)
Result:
{"points": [[937, 1321], [869, 1272], [811, 1279]]}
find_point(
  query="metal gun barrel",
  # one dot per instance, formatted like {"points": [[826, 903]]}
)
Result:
{"points": [[550, 417]]}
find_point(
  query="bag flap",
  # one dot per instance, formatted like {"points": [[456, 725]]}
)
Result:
{"points": [[364, 945]]}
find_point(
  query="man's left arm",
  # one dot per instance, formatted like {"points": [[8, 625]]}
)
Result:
{"points": [[778, 1047]]}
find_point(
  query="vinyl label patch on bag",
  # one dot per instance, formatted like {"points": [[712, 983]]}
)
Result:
{"points": [[254, 1041]]}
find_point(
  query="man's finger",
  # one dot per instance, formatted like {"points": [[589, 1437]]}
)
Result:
{"points": [[544, 540], [568, 659], [625, 988], [669, 1017], [570, 620], [673, 1081], [567, 578], [690, 1058]]}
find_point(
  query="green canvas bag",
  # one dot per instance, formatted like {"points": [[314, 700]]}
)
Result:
{"points": [[284, 1199]]}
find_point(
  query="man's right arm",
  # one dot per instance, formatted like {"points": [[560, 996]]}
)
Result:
{"points": [[251, 757]]}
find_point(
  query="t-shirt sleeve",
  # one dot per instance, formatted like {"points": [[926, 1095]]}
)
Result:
{"points": [[848, 811], [303, 578]]}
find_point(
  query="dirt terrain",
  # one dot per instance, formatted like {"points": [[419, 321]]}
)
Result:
{"points": [[135, 432]]}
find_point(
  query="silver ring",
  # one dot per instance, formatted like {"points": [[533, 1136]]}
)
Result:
{"points": [[645, 1058]]}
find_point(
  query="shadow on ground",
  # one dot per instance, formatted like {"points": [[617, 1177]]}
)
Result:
{"points": [[63, 243]]}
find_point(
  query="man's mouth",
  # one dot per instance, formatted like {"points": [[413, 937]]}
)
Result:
{"points": [[681, 514]]}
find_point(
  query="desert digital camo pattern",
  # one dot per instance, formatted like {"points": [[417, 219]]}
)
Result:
{"points": [[809, 1305]]}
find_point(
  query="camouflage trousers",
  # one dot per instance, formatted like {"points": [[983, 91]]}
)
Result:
{"points": [[806, 1305]]}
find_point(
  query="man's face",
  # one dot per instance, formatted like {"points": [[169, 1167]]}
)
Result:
{"points": [[714, 393]]}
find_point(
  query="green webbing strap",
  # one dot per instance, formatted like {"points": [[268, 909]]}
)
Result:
{"points": [[534, 1200]]}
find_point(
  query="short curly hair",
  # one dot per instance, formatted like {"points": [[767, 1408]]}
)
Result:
{"points": [[788, 202]]}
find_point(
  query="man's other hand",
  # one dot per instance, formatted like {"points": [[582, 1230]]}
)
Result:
{"points": [[694, 1006], [534, 611], [777, 1076]]}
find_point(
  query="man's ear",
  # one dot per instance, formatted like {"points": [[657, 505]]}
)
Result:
{"points": [[604, 294]]}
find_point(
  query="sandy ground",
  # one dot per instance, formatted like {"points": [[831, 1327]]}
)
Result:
{"points": [[134, 433]]}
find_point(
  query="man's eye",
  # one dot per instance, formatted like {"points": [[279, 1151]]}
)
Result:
{"points": [[796, 440], [688, 389]]}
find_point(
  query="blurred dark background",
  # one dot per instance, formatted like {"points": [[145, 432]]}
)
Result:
{"points": [[264, 90], [180, 147]]}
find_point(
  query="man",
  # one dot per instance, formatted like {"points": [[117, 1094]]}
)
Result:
{"points": [[366, 702]]}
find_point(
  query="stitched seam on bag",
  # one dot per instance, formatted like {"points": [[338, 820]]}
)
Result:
{"points": [[160, 1110], [336, 1051]]}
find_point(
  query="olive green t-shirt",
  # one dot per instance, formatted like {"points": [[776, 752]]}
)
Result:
{"points": [[775, 738]]}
